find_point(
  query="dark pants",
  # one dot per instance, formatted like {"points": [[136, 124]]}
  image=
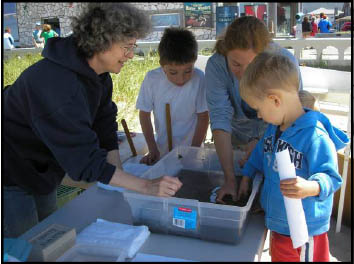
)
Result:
{"points": [[23, 210]]}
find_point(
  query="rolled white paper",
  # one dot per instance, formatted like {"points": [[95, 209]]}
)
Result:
{"points": [[294, 210]]}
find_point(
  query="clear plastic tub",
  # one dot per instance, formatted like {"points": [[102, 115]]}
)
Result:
{"points": [[189, 217], [92, 253]]}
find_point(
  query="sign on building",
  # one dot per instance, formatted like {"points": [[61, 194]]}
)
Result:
{"points": [[224, 17], [198, 15], [259, 11]]}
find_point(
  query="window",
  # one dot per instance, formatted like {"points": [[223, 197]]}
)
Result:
{"points": [[54, 23], [283, 19], [161, 21], [10, 20], [225, 15]]}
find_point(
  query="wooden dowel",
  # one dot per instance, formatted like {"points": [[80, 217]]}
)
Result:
{"points": [[130, 141], [169, 127]]}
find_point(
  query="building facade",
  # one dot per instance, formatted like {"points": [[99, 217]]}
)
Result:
{"points": [[347, 9], [56, 14], [205, 20]]}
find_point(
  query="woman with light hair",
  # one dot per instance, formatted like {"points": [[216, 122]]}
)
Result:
{"points": [[60, 117], [234, 124]]}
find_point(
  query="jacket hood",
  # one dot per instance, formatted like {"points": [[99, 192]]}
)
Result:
{"points": [[63, 51], [319, 120]]}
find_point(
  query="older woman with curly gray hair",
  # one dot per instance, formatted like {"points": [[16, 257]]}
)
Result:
{"points": [[60, 117]]}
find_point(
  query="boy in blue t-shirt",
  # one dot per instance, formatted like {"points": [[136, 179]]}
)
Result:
{"points": [[270, 86], [324, 25]]}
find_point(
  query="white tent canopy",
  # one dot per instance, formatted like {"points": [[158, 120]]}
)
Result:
{"points": [[324, 11], [346, 18]]}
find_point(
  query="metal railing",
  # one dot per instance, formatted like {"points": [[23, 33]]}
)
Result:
{"points": [[297, 46]]}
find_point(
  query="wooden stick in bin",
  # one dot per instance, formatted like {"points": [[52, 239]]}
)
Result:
{"points": [[169, 127], [130, 141]]}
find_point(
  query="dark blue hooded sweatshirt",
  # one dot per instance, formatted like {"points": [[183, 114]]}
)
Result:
{"points": [[58, 117]]}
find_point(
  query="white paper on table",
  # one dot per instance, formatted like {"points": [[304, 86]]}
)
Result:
{"points": [[112, 235], [294, 210]]}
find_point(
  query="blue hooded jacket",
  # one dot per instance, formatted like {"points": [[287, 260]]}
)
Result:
{"points": [[312, 143]]}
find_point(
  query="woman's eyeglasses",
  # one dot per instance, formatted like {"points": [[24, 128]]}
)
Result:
{"points": [[129, 49]]}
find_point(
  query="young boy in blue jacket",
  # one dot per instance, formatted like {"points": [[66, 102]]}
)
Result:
{"points": [[270, 86]]}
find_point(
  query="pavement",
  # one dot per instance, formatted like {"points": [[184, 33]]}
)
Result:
{"points": [[340, 244]]}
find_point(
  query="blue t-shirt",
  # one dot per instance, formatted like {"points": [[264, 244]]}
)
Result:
{"points": [[324, 25], [36, 35]]}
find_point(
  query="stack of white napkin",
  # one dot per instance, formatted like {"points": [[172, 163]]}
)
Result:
{"points": [[124, 238]]}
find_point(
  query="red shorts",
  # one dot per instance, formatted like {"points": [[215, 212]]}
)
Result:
{"points": [[316, 250]]}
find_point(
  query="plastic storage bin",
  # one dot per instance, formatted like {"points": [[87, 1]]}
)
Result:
{"points": [[188, 217], [92, 253]]}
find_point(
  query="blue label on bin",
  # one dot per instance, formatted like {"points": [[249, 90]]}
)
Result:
{"points": [[184, 217]]}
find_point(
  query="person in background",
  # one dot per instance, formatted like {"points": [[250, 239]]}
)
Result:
{"points": [[308, 100], [57, 30], [59, 117], [37, 40], [234, 123], [306, 27], [330, 25], [8, 40], [318, 18], [48, 33], [270, 85], [182, 86], [314, 26], [324, 25], [321, 15]]}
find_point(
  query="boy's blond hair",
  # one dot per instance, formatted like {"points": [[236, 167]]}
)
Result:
{"points": [[269, 70], [308, 100]]}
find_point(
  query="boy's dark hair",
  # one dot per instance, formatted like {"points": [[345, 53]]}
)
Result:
{"points": [[178, 45]]}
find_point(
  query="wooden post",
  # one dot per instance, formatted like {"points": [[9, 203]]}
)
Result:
{"points": [[344, 173], [169, 127], [129, 138]]}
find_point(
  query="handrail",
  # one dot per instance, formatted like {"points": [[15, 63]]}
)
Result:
{"points": [[298, 46]]}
